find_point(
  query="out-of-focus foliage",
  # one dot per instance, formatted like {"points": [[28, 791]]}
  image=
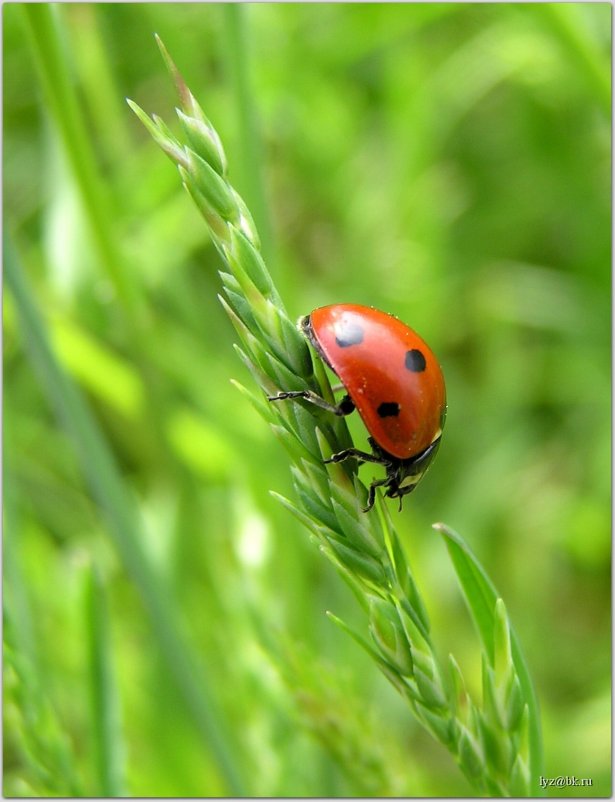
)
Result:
{"points": [[447, 163]]}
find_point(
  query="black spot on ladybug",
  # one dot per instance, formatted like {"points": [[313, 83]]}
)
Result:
{"points": [[347, 334], [415, 361], [388, 409]]}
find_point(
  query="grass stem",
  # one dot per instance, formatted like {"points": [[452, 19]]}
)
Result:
{"points": [[106, 724]]}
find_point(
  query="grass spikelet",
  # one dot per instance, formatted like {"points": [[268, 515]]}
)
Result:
{"points": [[496, 744]]}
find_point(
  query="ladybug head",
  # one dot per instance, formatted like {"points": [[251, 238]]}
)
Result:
{"points": [[404, 475]]}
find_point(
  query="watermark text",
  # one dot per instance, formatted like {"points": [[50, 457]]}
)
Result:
{"points": [[564, 780]]}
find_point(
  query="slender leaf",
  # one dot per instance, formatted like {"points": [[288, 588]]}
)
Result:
{"points": [[106, 724]]}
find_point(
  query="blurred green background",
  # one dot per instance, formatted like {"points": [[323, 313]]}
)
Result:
{"points": [[448, 163]]}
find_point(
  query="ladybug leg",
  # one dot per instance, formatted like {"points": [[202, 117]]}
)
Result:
{"points": [[347, 453], [363, 456], [345, 406], [371, 495]]}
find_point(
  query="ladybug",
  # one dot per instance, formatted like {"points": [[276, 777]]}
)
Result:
{"points": [[394, 381]]}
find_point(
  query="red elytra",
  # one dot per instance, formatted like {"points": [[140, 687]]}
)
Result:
{"points": [[389, 372]]}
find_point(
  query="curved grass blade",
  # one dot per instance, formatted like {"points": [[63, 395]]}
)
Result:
{"points": [[123, 527]]}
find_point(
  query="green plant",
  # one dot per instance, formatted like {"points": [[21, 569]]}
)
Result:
{"points": [[497, 743]]}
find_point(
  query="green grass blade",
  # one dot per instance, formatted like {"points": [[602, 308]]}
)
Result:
{"points": [[106, 724], [54, 62], [481, 597], [123, 525], [51, 58]]}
